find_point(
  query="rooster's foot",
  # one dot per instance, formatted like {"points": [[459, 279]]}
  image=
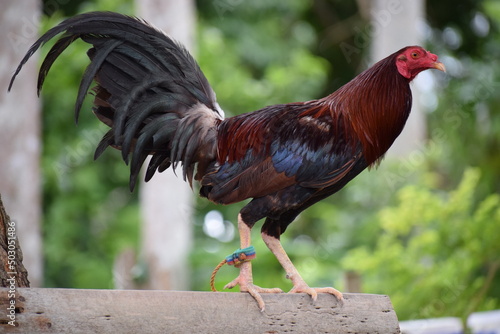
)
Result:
{"points": [[244, 280]]}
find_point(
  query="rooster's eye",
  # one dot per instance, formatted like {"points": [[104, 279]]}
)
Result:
{"points": [[414, 55]]}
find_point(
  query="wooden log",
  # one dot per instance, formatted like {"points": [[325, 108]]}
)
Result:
{"points": [[154, 311]]}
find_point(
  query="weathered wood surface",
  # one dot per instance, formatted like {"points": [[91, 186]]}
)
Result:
{"points": [[153, 311]]}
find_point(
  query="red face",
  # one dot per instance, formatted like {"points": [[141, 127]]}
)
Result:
{"points": [[414, 60]]}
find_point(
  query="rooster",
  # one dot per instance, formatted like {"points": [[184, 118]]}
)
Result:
{"points": [[285, 158]]}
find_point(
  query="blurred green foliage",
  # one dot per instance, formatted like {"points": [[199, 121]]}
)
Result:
{"points": [[420, 229], [437, 252]]}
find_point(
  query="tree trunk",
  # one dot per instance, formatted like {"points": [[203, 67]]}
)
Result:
{"points": [[166, 201], [20, 130], [397, 24], [12, 271]]}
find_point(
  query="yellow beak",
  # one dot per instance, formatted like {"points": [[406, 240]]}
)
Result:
{"points": [[439, 66]]}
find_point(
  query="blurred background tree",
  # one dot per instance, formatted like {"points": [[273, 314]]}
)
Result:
{"points": [[418, 228]]}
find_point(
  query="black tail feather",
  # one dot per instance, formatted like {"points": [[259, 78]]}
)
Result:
{"points": [[54, 52], [90, 72], [150, 91], [106, 141]]}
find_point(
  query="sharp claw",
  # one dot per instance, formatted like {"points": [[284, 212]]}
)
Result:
{"points": [[256, 295], [231, 284], [314, 295]]}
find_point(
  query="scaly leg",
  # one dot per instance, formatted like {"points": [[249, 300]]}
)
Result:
{"points": [[244, 279], [299, 285]]}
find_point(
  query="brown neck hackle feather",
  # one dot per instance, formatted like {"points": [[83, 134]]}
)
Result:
{"points": [[375, 105]]}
